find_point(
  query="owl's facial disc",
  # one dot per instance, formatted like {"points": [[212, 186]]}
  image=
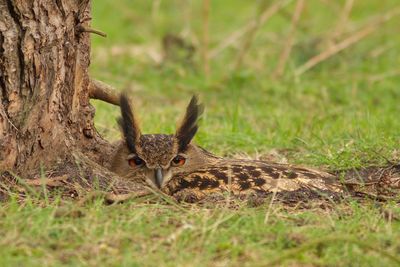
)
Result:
{"points": [[158, 156]]}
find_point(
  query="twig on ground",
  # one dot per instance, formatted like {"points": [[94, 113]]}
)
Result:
{"points": [[52, 182], [289, 41], [347, 42]]}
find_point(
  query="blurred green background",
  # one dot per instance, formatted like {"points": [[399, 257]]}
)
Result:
{"points": [[343, 112]]}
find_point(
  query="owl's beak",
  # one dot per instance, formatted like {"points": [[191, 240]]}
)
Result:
{"points": [[158, 177]]}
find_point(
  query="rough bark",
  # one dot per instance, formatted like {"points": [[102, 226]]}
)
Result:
{"points": [[46, 119]]}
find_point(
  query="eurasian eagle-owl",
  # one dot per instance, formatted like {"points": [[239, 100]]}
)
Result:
{"points": [[173, 164]]}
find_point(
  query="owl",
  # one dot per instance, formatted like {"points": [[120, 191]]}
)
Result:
{"points": [[175, 165]]}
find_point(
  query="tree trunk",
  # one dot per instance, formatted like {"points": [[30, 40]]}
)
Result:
{"points": [[46, 120]]}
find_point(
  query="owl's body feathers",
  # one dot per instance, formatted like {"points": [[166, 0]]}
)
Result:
{"points": [[251, 177], [178, 167]]}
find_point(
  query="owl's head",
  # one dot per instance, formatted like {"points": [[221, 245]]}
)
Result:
{"points": [[155, 158]]}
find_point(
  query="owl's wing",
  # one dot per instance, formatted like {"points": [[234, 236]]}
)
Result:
{"points": [[244, 177]]}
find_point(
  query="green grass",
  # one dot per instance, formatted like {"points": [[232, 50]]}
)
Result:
{"points": [[342, 113], [143, 234]]}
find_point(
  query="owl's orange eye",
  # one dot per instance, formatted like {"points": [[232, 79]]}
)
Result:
{"points": [[178, 161], [135, 162]]}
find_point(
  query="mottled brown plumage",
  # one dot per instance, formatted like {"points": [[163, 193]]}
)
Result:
{"points": [[252, 177], [188, 172], [160, 153]]}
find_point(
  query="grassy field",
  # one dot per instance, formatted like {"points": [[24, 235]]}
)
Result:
{"points": [[342, 113]]}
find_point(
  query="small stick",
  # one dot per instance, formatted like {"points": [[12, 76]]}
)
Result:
{"points": [[104, 92], [53, 182], [289, 41], [336, 48], [82, 28], [205, 37], [349, 41]]}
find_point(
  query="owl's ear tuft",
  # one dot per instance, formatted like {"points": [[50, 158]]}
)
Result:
{"points": [[188, 127], [128, 123]]}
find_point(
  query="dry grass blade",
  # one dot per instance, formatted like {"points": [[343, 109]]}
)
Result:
{"points": [[335, 5], [168, 199], [343, 19], [233, 37], [117, 198], [261, 18], [111, 197], [383, 76], [26, 188], [289, 41], [52, 182], [347, 42], [272, 200]]}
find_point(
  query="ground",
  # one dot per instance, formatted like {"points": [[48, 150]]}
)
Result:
{"points": [[341, 114]]}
